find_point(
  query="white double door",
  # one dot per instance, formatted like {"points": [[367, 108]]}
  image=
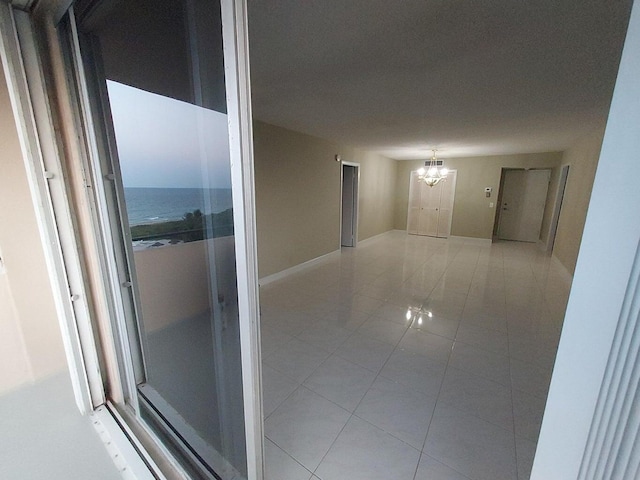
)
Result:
{"points": [[431, 208]]}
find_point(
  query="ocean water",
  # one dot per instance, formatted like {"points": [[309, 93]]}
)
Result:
{"points": [[155, 205]]}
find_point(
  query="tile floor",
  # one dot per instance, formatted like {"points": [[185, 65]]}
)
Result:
{"points": [[410, 358]]}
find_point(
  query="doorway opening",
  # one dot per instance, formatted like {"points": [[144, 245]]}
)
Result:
{"points": [[349, 204], [522, 200], [555, 217]]}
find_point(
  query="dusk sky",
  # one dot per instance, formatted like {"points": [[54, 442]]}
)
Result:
{"points": [[158, 140]]}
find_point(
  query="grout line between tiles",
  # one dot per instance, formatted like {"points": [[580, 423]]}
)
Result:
{"points": [[435, 405]]}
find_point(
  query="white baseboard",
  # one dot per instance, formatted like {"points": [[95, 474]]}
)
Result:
{"points": [[475, 240], [296, 268], [315, 261]]}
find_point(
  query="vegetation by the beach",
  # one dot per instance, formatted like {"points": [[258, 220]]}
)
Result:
{"points": [[193, 226]]}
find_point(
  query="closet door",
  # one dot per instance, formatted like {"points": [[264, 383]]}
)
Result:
{"points": [[429, 209]]}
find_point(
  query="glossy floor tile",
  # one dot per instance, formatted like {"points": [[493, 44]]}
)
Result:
{"points": [[470, 445], [365, 452], [431, 469], [410, 358], [305, 426], [367, 352], [281, 466], [398, 410], [479, 396], [341, 381]]}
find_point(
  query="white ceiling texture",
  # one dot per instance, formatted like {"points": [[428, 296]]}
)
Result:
{"points": [[468, 77]]}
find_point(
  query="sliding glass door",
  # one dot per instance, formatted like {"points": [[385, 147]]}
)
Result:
{"points": [[154, 77]]}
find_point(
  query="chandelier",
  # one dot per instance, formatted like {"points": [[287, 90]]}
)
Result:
{"points": [[432, 174]]}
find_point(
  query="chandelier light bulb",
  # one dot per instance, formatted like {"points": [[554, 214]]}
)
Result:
{"points": [[433, 174]]}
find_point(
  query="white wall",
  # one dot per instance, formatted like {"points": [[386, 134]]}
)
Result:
{"points": [[604, 271], [582, 158], [16, 367], [44, 437]]}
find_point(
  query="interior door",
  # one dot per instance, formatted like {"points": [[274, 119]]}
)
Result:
{"points": [[349, 204], [555, 216], [523, 200], [445, 212]]}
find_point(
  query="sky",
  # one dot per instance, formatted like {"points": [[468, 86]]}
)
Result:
{"points": [[168, 143]]}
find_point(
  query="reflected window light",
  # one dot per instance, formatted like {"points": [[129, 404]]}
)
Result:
{"points": [[420, 321], [429, 314], [408, 314]]}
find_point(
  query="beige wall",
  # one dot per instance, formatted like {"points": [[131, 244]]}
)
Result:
{"points": [[583, 160], [173, 281], [472, 216], [30, 340], [298, 196]]}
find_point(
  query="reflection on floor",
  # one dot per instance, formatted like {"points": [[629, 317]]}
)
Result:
{"points": [[180, 368], [187, 389], [410, 358]]}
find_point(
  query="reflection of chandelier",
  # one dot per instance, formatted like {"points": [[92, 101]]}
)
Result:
{"points": [[417, 316], [433, 173]]}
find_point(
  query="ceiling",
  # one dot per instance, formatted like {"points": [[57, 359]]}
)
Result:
{"points": [[467, 77]]}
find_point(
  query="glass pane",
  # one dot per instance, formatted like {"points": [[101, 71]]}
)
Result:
{"points": [[162, 64]]}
